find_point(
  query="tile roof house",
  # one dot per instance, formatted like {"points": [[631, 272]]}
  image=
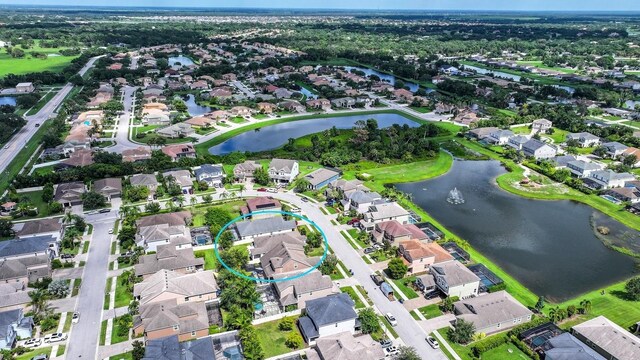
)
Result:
{"points": [[261, 203], [492, 312], [109, 188], [245, 170], [283, 170], [608, 338], [70, 194], [168, 284], [14, 325], [344, 346], [137, 154], [166, 318], [181, 177], [632, 151], [147, 180], [178, 151], [298, 291], [78, 158], [392, 231], [327, 316], [286, 258], [29, 269], [264, 244], [175, 131], [200, 122], [168, 257], [321, 178], [247, 230], [213, 175], [419, 256], [454, 279]]}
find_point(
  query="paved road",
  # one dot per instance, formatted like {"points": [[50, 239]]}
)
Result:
{"points": [[242, 87], [18, 141], [84, 336], [409, 330], [122, 136]]}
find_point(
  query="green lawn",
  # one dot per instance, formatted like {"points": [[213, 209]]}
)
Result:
{"points": [[103, 332], [114, 334], [365, 294], [35, 198], [352, 293], [123, 356], [505, 352], [210, 260], [27, 64], [632, 123], [238, 120], [67, 323], [540, 65], [404, 286], [386, 323], [30, 354], [272, 339], [355, 234], [430, 311], [123, 296], [61, 350]]}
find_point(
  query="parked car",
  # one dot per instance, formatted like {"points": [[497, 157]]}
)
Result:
{"points": [[304, 199], [272, 190], [102, 211], [55, 337], [31, 343], [110, 231], [353, 221], [37, 124], [262, 190], [40, 357], [377, 279], [385, 343], [433, 342], [67, 256], [351, 272], [431, 295], [390, 351], [391, 319], [75, 318], [369, 250]]}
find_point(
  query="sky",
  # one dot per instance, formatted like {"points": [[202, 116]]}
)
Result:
{"points": [[526, 5]]}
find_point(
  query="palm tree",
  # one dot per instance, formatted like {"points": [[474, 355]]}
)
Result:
{"points": [[232, 194], [224, 195], [193, 200], [241, 188], [553, 313], [180, 200], [586, 306], [39, 302]]}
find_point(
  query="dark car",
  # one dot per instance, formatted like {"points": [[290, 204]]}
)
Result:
{"points": [[369, 250], [67, 256], [385, 343], [37, 124], [431, 295], [353, 221], [262, 190], [102, 211], [377, 279]]}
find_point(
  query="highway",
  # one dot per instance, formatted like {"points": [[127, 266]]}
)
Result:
{"points": [[19, 141]]}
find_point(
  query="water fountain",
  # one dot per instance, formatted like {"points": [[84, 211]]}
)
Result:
{"points": [[455, 197]]}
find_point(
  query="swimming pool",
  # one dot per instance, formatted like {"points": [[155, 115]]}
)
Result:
{"points": [[611, 198]]}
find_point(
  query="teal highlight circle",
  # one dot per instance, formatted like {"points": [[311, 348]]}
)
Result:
{"points": [[289, 278]]}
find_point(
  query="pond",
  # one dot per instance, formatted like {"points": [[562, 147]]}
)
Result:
{"points": [[193, 108], [495, 73], [386, 77], [183, 60], [549, 246], [274, 136], [631, 104], [8, 100]]}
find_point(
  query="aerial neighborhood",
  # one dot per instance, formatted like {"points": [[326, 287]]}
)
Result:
{"points": [[191, 185]]}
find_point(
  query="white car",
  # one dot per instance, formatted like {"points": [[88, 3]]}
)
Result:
{"points": [[390, 351], [110, 231], [272, 190], [55, 337], [433, 342], [391, 319], [32, 343], [75, 318]]}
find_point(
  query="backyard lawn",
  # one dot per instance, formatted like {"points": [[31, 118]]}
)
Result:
{"points": [[504, 352], [210, 260], [352, 293], [272, 339]]}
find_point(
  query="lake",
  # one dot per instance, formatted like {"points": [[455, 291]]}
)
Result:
{"points": [[495, 73], [274, 136], [183, 60], [549, 246], [8, 100], [413, 87], [193, 108]]}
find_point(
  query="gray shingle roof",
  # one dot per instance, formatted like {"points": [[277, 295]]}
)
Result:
{"points": [[489, 310], [566, 347], [455, 273], [28, 245], [264, 226], [169, 348], [321, 175], [610, 337], [331, 309]]}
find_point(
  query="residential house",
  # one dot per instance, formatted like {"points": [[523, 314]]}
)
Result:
{"points": [[247, 230], [14, 295], [266, 108], [345, 102], [147, 180], [179, 130], [321, 178], [323, 104], [561, 161], [140, 153], [292, 106], [625, 194], [213, 175], [263, 244], [162, 229], [360, 200], [245, 170], [78, 158], [344, 346], [182, 178], [40, 227], [109, 188], [178, 151], [200, 122], [168, 257], [297, 292], [286, 258], [283, 170], [419, 256], [454, 279], [166, 318], [384, 211], [583, 169], [493, 312], [25, 88], [584, 139], [156, 117], [614, 149], [345, 187], [482, 133], [70, 194], [403, 95], [257, 204], [327, 316], [538, 149], [13, 326], [517, 141], [500, 137], [167, 284], [567, 347], [392, 231], [608, 338], [541, 126], [241, 111], [30, 246], [29, 269], [607, 179], [170, 348]]}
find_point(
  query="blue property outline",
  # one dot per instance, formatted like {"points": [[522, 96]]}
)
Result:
{"points": [[237, 273]]}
